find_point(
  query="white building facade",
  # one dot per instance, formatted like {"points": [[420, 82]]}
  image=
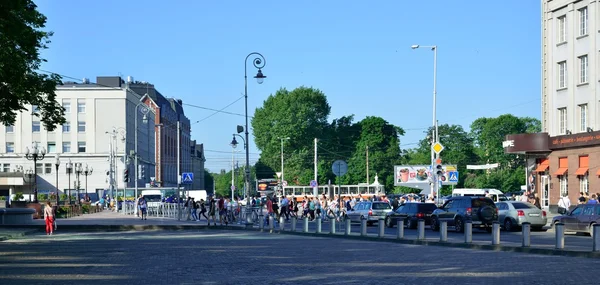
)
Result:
{"points": [[98, 116]]}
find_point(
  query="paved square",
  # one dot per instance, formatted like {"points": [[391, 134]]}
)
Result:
{"points": [[245, 257]]}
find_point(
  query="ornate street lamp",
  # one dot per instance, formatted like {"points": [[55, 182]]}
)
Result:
{"points": [[69, 171], [78, 171], [87, 171], [35, 153], [57, 164]]}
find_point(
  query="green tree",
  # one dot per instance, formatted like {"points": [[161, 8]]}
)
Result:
{"points": [[21, 39], [209, 180], [301, 115]]}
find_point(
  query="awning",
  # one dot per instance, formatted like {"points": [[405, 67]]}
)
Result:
{"points": [[584, 164], [581, 171], [543, 166], [561, 171]]}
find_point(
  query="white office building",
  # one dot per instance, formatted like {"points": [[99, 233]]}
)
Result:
{"points": [[98, 117]]}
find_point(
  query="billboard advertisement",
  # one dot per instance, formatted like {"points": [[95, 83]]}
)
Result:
{"points": [[416, 176]]}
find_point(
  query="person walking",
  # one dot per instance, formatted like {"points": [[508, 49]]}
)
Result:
{"points": [[143, 208], [211, 211], [202, 210], [49, 218]]}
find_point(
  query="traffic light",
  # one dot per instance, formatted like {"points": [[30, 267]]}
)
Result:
{"points": [[141, 172], [126, 175], [439, 168]]}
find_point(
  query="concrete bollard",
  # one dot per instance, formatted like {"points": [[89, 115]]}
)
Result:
{"points": [[400, 229], [496, 233], [596, 237], [559, 230], [468, 232], [294, 221], [363, 227], [332, 226], [305, 229], [318, 225], [444, 231], [271, 223], [281, 224], [526, 234], [348, 227], [261, 222], [381, 228], [421, 229]]}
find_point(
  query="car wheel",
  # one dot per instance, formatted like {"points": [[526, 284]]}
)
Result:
{"points": [[459, 225], [435, 225], [508, 225], [388, 222]]}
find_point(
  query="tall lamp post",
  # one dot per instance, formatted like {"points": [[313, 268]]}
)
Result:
{"points": [[234, 144], [282, 177], [69, 171], [435, 138], [144, 111], [57, 164], [78, 171], [259, 62], [87, 171], [35, 153]]}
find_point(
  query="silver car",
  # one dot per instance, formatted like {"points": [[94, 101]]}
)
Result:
{"points": [[370, 211], [512, 214]]}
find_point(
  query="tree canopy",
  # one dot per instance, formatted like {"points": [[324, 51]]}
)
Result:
{"points": [[21, 39]]}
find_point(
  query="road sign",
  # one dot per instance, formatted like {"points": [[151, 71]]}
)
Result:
{"points": [[152, 179], [453, 176], [232, 187], [187, 178], [284, 183], [313, 183], [339, 167], [438, 147]]}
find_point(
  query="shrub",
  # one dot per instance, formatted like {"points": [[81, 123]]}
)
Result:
{"points": [[63, 197], [2, 198], [18, 196], [85, 208], [42, 197]]}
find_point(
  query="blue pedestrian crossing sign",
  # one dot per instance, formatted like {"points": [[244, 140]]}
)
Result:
{"points": [[187, 177], [453, 176]]}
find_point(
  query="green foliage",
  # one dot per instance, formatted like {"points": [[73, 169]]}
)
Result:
{"points": [[85, 208], [22, 39], [209, 180], [2, 198], [63, 197], [18, 196], [42, 197]]}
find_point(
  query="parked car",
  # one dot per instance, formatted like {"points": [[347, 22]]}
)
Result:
{"points": [[513, 214], [481, 211], [370, 211], [581, 219], [411, 213]]}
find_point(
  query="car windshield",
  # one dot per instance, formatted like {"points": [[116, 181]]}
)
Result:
{"points": [[523, 205], [381, 206], [152, 198], [481, 202]]}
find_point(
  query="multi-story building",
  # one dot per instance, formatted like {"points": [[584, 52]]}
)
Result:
{"points": [[198, 159], [99, 116], [563, 159]]}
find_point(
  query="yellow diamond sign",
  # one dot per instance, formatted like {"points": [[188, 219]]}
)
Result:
{"points": [[438, 147]]}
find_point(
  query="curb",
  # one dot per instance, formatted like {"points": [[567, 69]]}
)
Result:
{"points": [[115, 228]]}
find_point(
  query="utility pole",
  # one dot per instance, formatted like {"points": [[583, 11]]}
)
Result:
{"points": [[315, 190], [367, 165], [178, 170], [232, 172]]}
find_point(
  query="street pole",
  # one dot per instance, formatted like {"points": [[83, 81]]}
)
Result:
{"points": [[232, 171], [69, 170], [35, 153], [315, 189], [178, 171], [57, 164], [282, 177], [259, 62]]}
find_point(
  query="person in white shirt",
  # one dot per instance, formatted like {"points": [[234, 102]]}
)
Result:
{"points": [[564, 204]]}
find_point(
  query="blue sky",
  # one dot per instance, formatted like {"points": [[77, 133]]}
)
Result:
{"points": [[357, 52]]}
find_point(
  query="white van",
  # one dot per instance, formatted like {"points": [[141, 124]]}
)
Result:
{"points": [[495, 194]]}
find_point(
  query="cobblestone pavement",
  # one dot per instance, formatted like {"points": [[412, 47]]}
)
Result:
{"points": [[227, 257]]}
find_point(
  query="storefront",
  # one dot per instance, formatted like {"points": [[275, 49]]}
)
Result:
{"points": [[566, 166]]}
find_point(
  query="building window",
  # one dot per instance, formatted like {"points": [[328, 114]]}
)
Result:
{"points": [[80, 107], [81, 147], [48, 168], [10, 129], [562, 121], [66, 147], [564, 190], [583, 21], [562, 74], [51, 147], [562, 29], [67, 106], [6, 167], [583, 117], [81, 127], [583, 67], [66, 127], [35, 126], [584, 184], [10, 147], [39, 168]]}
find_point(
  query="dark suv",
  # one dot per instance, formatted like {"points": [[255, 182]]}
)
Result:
{"points": [[481, 211], [411, 213]]}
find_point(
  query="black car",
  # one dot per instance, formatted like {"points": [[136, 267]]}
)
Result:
{"points": [[481, 211], [411, 213]]}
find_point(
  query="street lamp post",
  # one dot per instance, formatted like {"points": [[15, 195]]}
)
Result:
{"points": [[35, 153], [57, 164], [259, 62], [282, 177], [87, 171], [145, 111], [435, 137], [69, 171], [78, 171], [233, 146]]}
